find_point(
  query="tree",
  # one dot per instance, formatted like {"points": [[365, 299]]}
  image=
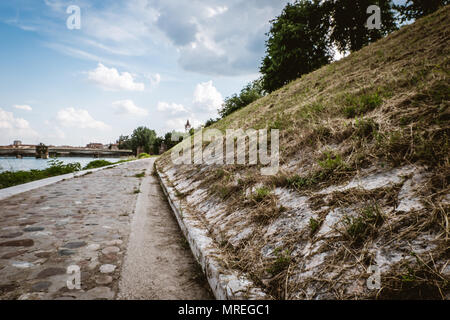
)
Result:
{"points": [[251, 92], [157, 144], [297, 44], [414, 9], [143, 137], [210, 122], [348, 22], [124, 142], [168, 139]]}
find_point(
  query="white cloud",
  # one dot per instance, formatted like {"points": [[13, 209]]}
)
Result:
{"points": [[211, 12], [207, 97], [110, 79], [12, 128], [128, 107], [206, 100], [79, 118], [172, 107], [23, 107], [7, 121]]}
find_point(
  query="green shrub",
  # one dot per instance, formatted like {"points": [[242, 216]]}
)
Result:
{"points": [[143, 156], [56, 167], [97, 164]]}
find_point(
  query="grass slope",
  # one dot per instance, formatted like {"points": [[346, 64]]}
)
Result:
{"points": [[385, 107]]}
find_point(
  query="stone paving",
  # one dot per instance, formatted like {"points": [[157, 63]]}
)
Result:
{"points": [[82, 222]]}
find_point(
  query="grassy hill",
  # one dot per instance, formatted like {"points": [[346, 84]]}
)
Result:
{"points": [[363, 180]]}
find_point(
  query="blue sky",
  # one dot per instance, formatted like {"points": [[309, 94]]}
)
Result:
{"points": [[154, 63]]}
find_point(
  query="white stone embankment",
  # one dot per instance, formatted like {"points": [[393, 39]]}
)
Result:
{"points": [[225, 283]]}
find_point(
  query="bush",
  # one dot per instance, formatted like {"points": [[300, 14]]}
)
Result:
{"points": [[143, 156], [97, 164], [56, 168]]}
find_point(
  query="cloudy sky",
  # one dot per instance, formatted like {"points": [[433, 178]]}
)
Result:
{"points": [[154, 63]]}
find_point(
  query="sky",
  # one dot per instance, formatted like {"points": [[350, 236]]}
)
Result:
{"points": [[153, 63]]}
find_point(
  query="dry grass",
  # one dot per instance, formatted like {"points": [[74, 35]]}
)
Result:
{"points": [[385, 106]]}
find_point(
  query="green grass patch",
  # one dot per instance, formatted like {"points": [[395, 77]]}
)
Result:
{"points": [[331, 161], [365, 224], [261, 194], [140, 175], [355, 105]]}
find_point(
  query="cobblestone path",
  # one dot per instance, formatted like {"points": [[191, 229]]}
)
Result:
{"points": [[82, 222]]}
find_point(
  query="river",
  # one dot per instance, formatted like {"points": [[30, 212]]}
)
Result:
{"points": [[13, 164]]}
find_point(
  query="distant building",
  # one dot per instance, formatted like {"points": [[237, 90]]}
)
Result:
{"points": [[17, 143], [113, 146], [93, 145]]}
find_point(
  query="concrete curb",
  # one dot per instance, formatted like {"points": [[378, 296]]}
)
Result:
{"points": [[21, 188], [225, 284]]}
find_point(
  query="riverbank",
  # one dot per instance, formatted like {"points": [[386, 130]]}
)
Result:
{"points": [[86, 222], [56, 168]]}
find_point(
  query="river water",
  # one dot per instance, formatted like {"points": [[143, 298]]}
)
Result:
{"points": [[13, 164]]}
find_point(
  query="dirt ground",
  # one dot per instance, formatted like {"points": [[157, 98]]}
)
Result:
{"points": [[158, 262]]}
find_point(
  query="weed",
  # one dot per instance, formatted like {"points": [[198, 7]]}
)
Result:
{"points": [[298, 182], [314, 225], [331, 161], [140, 175], [360, 105], [358, 228], [365, 127], [282, 261], [261, 194]]}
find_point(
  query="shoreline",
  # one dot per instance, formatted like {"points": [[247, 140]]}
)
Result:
{"points": [[24, 187]]}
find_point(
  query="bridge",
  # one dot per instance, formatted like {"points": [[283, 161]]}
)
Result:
{"points": [[30, 151]]}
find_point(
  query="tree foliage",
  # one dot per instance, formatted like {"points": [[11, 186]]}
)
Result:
{"points": [[251, 92], [124, 143], [297, 44], [414, 9], [143, 137], [348, 22]]}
